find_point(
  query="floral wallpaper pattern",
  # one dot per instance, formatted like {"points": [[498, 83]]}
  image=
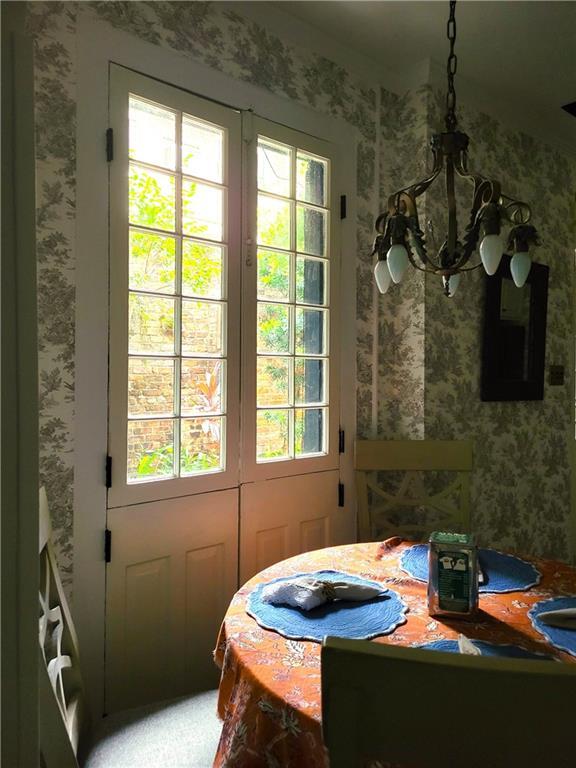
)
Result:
{"points": [[521, 490], [427, 364], [53, 28]]}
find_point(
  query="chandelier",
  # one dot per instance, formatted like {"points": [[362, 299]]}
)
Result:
{"points": [[400, 241]]}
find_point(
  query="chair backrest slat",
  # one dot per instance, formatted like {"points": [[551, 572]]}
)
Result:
{"points": [[404, 455], [428, 708], [381, 512]]}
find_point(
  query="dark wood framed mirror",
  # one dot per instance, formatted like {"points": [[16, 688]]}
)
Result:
{"points": [[514, 339]]}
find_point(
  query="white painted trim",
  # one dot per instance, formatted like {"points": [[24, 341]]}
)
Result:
{"points": [[19, 467], [98, 44]]}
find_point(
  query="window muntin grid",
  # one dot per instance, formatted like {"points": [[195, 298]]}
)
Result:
{"points": [[293, 309], [177, 294]]}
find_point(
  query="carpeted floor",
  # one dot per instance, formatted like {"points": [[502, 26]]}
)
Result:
{"points": [[178, 734]]}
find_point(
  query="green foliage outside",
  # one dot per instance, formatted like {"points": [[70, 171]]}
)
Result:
{"points": [[152, 268]]}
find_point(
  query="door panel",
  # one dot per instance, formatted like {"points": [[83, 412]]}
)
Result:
{"points": [[224, 265], [172, 575], [282, 517]]}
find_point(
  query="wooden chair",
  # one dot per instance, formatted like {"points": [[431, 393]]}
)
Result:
{"points": [[426, 709], [383, 513], [184, 732]]}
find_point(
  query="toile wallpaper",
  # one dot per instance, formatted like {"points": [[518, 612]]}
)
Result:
{"points": [[427, 361], [521, 489]]}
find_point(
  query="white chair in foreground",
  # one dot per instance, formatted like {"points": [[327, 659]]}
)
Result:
{"points": [[428, 709], [176, 734]]}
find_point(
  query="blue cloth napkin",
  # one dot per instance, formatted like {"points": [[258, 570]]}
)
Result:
{"points": [[488, 649], [563, 639], [502, 573], [341, 618]]}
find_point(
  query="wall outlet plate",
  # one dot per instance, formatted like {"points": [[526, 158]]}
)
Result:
{"points": [[556, 375]]}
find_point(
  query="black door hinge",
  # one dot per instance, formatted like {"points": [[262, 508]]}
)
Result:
{"points": [[107, 545], [108, 471], [341, 441], [109, 145], [342, 206], [340, 494]]}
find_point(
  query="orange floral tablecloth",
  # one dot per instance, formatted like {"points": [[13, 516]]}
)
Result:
{"points": [[269, 696]]}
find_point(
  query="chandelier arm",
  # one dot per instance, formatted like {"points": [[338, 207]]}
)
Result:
{"points": [[415, 190], [429, 265], [417, 241], [470, 269], [517, 211], [479, 181]]}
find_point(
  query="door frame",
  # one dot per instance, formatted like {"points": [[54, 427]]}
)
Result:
{"points": [[98, 44], [19, 469]]}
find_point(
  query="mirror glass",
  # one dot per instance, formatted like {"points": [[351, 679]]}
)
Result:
{"points": [[513, 357]]}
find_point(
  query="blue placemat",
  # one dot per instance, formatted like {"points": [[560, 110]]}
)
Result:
{"points": [[564, 639], [488, 649], [502, 573], [341, 618]]}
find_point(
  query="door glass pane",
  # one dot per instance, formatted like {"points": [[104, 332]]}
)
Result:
{"points": [[274, 166], [311, 178], [151, 325], [274, 222], [309, 430], [152, 198], [150, 449], [152, 262], [202, 146], [273, 381], [294, 212], [202, 270], [201, 445], [273, 275], [310, 331], [273, 435], [311, 280], [311, 230], [202, 327], [201, 389], [152, 135], [309, 380], [177, 265], [202, 212], [150, 387], [273, 328]]}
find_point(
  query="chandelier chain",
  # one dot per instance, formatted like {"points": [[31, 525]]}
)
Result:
{"points": [[451, 67]]}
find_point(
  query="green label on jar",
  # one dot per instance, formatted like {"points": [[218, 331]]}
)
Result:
{"points": [[453, 581]]}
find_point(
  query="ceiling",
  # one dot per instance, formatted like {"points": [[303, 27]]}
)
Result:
{"points": [[524, 51]]}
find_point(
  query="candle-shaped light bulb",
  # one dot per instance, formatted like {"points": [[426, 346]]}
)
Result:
{"points": [[397, 258], [382, 276], [453, 283], [491, 250], [520, 264]]}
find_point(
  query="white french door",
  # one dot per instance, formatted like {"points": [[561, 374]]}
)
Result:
{"points": [[223, 372]]}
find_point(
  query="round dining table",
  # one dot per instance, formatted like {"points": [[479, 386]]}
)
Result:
{"points": [[269, 694]]}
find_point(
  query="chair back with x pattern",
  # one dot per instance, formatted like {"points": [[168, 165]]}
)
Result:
{"points": [[61, 690]]}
